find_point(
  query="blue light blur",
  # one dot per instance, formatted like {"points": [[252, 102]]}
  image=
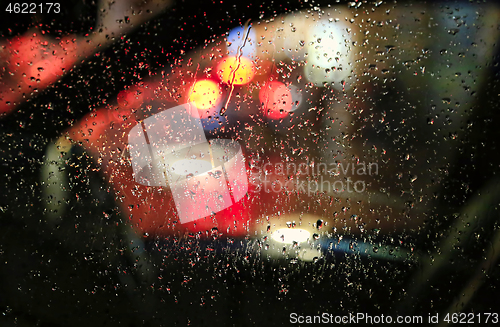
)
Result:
{"points": [[236, 39]]}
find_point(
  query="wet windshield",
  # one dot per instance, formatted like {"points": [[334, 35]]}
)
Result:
{"points": [[170, 163]]}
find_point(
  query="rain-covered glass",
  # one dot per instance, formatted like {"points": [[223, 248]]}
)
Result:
{"points": [[236, 164]]}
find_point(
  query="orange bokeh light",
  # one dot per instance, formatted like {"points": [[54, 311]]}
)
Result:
{"points": [[276, 100], [205, 94], [236, 71]]}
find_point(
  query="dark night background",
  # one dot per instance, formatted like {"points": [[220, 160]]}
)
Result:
{"points": [[52, 278]]}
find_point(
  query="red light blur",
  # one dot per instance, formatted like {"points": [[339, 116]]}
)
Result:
{"points": [[276, 100], [130, 98]]}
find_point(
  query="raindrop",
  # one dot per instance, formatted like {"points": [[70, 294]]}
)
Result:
{"points": [[319, 224], [389, 48], [217, 174]]}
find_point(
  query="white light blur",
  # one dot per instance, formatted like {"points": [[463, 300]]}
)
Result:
{"points": [[291, 235], [296, 97], [329, 55], [191, 166], [309, 254], [295, 36], [327, 46]]}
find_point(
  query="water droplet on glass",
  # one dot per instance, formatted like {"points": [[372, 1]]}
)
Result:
{"points": [[217, 174], [319, 224]]}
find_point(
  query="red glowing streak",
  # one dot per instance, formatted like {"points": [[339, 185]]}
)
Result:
{"points": [[33, 62], [130, 98]]}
